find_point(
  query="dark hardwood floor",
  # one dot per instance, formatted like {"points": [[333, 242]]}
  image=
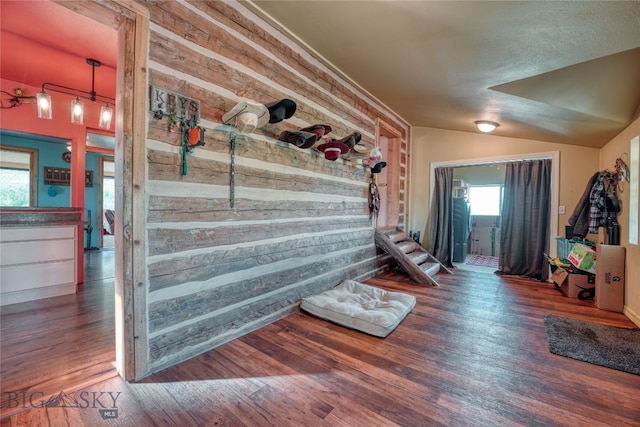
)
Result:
{"points": [[473, 352]]}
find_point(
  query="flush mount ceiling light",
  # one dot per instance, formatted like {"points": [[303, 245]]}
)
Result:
{"points": [[486, 126], [77, 107]]}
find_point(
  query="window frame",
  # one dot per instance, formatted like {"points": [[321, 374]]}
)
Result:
{"points": [[634, 185], [33, 171]]}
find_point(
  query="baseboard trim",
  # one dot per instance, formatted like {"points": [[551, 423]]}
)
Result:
{"points": [[632, 315]]}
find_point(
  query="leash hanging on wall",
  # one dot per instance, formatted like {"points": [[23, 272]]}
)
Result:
{"points": [[374, 198], [192, 137], [232, 180], [192, 134]]}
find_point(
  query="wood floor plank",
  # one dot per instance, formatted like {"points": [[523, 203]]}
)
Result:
{"points": [[473, 352]]}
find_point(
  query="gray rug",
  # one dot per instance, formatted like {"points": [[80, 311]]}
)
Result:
{"points": [[616, 348]]}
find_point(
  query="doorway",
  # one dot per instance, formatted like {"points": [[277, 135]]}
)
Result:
{"points": [[477, 213], [130, 22], [388, 180], [106, 202], [555, 180]]}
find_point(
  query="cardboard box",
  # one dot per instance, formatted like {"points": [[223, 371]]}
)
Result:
{"points": [[570, 284], [610, 278], [583, 258]]}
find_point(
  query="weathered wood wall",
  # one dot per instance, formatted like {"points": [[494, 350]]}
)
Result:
{"points": [[300, 223]]}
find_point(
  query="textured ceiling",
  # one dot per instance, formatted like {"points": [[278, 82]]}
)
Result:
{"points": [[566, 72]]}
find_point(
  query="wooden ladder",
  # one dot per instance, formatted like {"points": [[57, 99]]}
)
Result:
{"points": [[413, 258]]}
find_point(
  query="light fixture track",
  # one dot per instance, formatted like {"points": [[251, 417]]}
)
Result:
{"points": [[106, 113], [91, 96]]}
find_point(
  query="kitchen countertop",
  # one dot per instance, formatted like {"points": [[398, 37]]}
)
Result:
{"points": [[28, 216]]}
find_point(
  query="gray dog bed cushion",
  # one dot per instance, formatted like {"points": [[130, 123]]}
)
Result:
{"points": [[361, 307]]}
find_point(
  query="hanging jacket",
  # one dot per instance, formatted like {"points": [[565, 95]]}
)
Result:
{"points": [[598, 203], [579, 220]]}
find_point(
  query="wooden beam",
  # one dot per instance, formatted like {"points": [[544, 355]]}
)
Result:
{"points": [[137, 140], [99, 150]]}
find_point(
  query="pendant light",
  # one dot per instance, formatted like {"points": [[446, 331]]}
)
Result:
{"points": [[77, 107]]}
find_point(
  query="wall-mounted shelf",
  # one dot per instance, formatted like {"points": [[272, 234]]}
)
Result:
{"points": [[62, 176]]}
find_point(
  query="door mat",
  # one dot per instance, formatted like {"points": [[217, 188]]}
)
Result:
{"points": [[482, 261], [609, 346]]}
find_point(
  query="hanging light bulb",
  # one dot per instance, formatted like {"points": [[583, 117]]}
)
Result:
{"points": [[106, 114], [44, 105], [77, 111]]}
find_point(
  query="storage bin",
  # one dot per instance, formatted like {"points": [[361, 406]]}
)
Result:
{"points": [[565, 245]]}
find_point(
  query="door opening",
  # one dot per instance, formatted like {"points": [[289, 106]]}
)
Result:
{"points": [[555, 179], [388, 180], [107, 202]]}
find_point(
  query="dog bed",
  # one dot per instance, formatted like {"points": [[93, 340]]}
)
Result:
{"points": [[361, 307]]}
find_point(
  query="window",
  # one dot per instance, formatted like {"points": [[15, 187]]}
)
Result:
{"points": [[485, 200], [18, 177], [108, 193]]}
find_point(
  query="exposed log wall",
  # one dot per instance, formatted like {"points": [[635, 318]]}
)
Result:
{"points": [[300, 223]]}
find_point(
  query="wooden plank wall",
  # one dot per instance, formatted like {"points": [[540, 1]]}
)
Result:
{"points": [[300, 223]]}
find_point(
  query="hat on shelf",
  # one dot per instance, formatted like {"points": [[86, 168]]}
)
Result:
{"points": [[375, 160], [377, 168], [333, 149], [300, 139], [318, 130], [351, 140], [248, 116], [360, 148], [374, 157], [280, 110]]}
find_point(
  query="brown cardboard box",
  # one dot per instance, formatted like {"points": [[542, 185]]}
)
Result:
{"points": [[570, 284], [610, 278]]}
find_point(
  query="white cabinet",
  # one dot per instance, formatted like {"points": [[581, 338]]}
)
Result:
{"points": [[37, 262]]}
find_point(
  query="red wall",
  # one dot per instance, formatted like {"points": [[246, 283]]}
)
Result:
{"points": [[24, 118]]}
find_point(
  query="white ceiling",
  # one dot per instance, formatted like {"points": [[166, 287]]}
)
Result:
{"points": [[559, 71]]}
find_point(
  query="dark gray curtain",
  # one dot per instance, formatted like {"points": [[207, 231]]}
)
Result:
{"points": [[441, 217], [525, 219]]}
